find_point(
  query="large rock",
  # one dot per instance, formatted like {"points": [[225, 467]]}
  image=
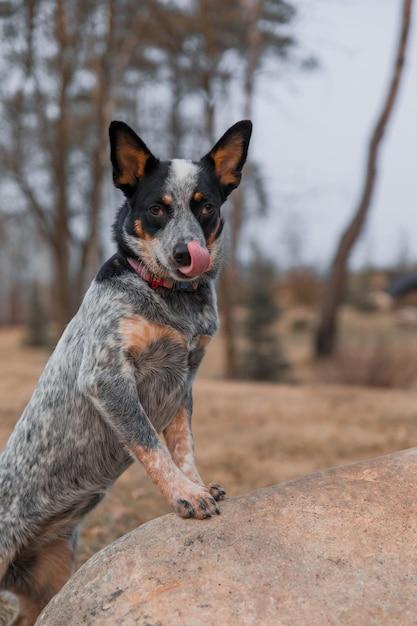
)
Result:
{"points": [[337, 547]]}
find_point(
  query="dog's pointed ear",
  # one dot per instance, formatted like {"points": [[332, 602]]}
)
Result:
{"points": [[130, 157], [229, 155]]}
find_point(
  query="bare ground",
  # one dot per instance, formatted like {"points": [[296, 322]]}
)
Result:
{"points": [[247, 435]]}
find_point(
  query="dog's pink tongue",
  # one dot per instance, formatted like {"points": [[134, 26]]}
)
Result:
{"points": [[200, 260]]}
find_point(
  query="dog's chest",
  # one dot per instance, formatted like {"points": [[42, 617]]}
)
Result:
{"points": [[165, 360]]}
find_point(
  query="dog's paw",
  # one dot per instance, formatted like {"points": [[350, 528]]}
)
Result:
{"points": [[217, 491], [199, 505]]}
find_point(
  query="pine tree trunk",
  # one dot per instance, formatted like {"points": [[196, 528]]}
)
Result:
{"points": [[327, 331]]}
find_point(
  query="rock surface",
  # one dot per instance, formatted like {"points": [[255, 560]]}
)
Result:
{"points": [[336, 547]]}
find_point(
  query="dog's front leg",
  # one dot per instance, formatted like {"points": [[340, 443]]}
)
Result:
{"points": [[113, 393], [179, 438]]}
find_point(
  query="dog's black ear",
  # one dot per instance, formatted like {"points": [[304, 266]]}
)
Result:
{"points": [[130, 157], [229, 155]]}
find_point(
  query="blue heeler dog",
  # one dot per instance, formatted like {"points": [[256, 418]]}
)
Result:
{"points": [[123, 369]]}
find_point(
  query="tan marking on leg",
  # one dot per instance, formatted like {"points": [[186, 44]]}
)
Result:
{"points": [[54, 567], [186, 497], [52, 570], [29, 611], [181, 446], [57, 528], [138, 333], [160, 468]]}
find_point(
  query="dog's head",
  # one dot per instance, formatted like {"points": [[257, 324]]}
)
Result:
{"points": [[171, 219]]}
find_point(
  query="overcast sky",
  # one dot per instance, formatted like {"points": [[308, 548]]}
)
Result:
{"points": [[311, 131]]}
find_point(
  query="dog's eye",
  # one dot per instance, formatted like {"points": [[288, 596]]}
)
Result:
{"points": [[156, 210], [207, 210]]}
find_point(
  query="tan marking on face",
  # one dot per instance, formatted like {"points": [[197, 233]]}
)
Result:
{"points": [[212, 237], [167, 199], [145, 249], [226, 160], [132, 162], [139, 232], [138, 333], [198, 196]]}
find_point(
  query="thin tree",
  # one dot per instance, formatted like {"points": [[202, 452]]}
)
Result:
{"points": [[326, 335]]}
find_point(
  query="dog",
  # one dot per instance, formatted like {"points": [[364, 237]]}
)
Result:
{"points": [[123, 370]]}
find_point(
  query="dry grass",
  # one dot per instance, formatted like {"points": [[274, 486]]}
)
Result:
{"points": [[375, 363], [247, 435]]}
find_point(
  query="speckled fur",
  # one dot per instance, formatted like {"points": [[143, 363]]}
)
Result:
{"points": [[120, 375]]}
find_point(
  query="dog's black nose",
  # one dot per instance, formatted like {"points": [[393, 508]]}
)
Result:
{"points": [[181, 254]]}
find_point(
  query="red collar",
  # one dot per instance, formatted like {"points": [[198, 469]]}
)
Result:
{"points": [[155, 281]]}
